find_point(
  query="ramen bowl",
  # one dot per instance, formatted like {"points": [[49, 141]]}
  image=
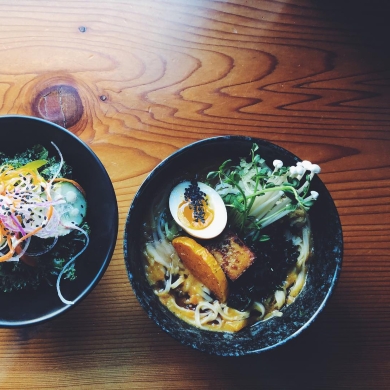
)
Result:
{"points": [[28, 307], [323, 271]]}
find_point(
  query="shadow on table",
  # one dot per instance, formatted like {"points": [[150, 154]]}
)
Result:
{"points": [[313, 360], [324, 355], [366, 21]]}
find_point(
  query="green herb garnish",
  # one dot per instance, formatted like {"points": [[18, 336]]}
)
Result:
{"points": [[257, 196]]}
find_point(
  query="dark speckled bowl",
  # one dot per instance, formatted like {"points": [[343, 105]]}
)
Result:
{"points": [[24, 308], [323, 272]]}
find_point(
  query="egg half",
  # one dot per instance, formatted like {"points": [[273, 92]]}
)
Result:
{"points": [[198, 209]]}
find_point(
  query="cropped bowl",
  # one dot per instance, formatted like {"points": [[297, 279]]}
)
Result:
{"points": [[24, 308], [323, 272]]}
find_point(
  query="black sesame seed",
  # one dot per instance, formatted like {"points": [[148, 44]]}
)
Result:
{"points": [[196, 197]]}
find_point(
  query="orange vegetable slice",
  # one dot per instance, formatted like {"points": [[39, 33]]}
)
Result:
{"points": [[202, 265]]}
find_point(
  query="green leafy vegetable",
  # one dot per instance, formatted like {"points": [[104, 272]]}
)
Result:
{"points": [[18, 275], [257, 196], [37, 152]]}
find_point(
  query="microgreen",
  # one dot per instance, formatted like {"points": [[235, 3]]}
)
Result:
{"points": [[257, 196]]}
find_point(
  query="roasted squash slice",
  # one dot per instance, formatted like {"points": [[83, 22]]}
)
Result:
{"points": [[202, 265]]}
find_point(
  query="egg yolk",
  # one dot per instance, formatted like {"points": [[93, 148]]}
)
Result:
{"points": [[186, 216]]}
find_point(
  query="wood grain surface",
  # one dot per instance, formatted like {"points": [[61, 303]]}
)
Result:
{"points": [[137, 80]]}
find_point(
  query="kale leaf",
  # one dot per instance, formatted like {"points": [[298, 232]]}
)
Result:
{"points": [[17, 275]]}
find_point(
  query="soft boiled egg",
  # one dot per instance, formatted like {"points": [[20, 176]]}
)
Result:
{"points": [[198, 209]]}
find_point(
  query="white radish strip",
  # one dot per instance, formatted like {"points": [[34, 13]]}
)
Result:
{"points": [[160, 233], [167, 248], [151, 251], [161, 250], [265, 207], [49, 248], [304, 250], [261, 199], [279, 206], [298, 285], [18, 225], [60, 165], [260, 308], [280, 298], [18, 256], [275, 218], [51, 229], [68, 264]]}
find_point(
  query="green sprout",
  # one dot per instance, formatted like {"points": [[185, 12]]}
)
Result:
{"points": [[257, 196]]}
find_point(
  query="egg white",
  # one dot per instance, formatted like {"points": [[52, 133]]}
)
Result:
{"points": [[215, 203]]}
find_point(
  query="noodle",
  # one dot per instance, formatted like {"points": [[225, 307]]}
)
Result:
{"points": [[190, 300], [198, 307]]}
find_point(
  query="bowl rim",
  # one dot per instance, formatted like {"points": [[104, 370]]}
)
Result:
{"points": [[88, 289], [149, 312]]}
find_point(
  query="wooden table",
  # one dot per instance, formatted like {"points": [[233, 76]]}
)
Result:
{"points": [[137, 80]]}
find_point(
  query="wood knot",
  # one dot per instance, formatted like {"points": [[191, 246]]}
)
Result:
{"points": [[60, 104]]}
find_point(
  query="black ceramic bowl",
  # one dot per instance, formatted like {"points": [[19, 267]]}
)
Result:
{"points": [[323, 272], [31, 307]]}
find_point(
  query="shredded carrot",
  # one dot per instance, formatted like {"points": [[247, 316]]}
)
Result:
{"points": [[8, 177], [12, 248]]}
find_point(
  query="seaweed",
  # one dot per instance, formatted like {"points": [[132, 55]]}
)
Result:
{"points": [[274, 259]]}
